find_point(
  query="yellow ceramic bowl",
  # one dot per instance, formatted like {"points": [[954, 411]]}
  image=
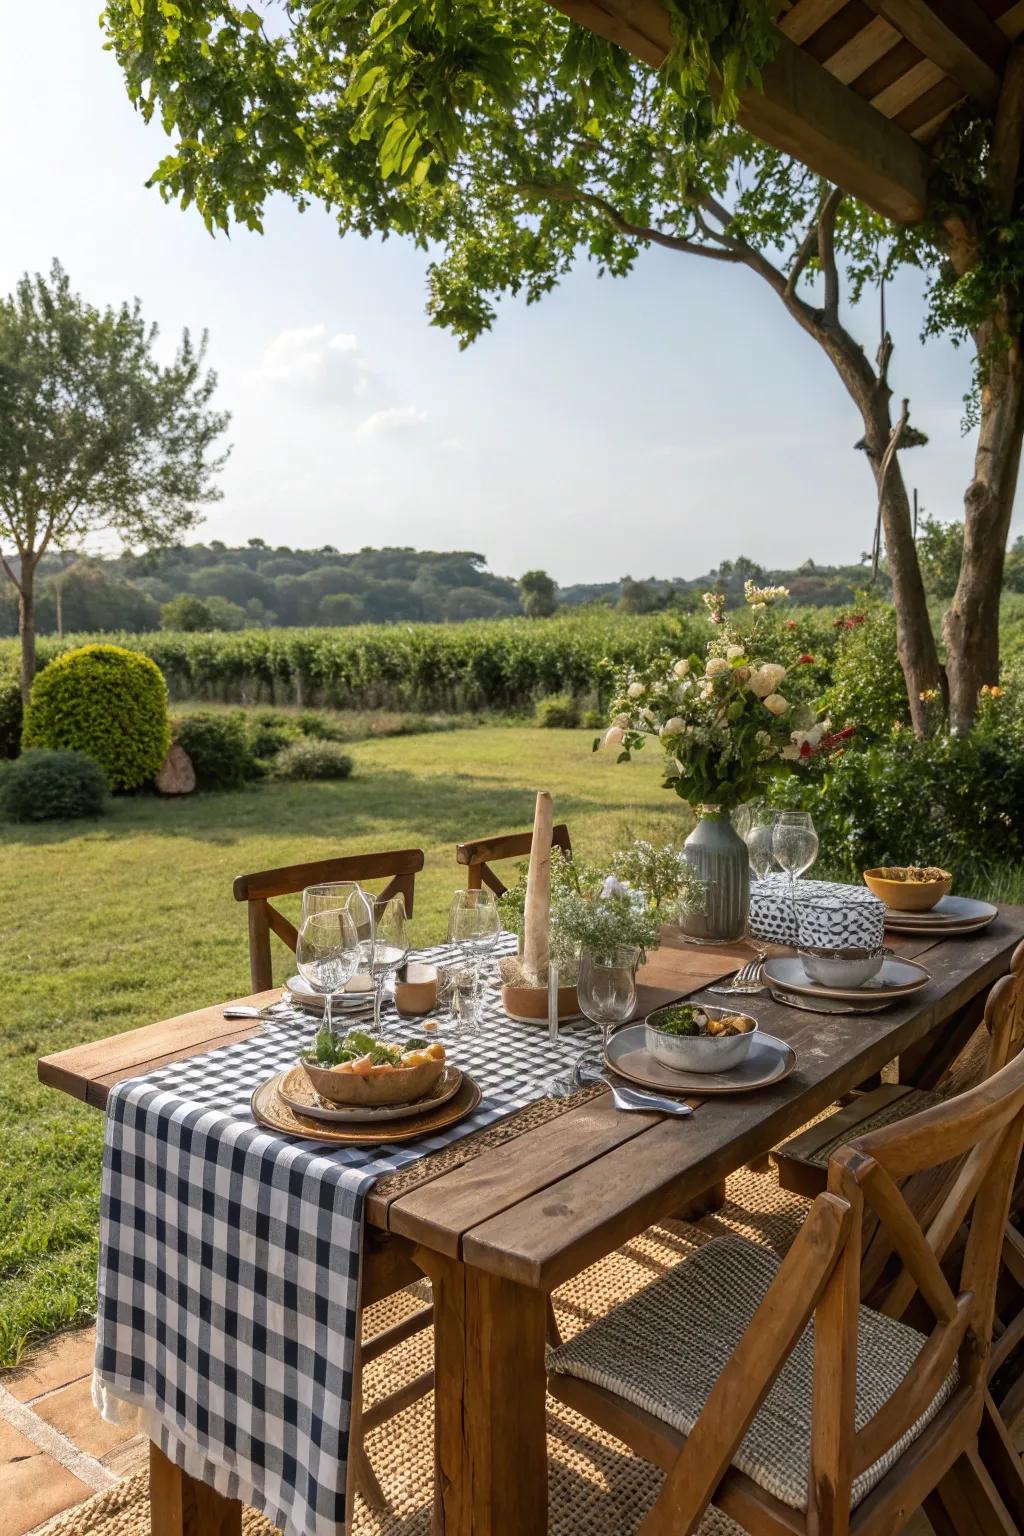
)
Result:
{"points": [[908, 895], [399, 1086]]}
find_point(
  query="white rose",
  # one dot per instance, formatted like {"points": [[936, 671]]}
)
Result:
{"points": [[776, 703], [681, 668], [620, 720], [734, 652], [741, 674], [717, 666], [614, 736], [635, 690], [648, 715], [674, 727], [766, 679]]}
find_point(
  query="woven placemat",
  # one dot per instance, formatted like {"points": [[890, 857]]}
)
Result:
{"points": [[436, 1163]]}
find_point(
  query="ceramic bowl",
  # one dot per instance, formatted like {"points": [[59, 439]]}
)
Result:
{"points": [[699, 1053], [841, 967], [400, 1086], [908, 895]]}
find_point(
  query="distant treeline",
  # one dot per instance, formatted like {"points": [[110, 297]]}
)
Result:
{"points": [[208, 587]]}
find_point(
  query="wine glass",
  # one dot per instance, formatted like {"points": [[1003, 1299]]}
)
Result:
{"points": [[794, 843], [606, 987], [386, 948], [327, 952], [474, 925], [759, 838]]}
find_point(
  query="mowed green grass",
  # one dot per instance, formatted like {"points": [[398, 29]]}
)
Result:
{"points": [[116, 923]]}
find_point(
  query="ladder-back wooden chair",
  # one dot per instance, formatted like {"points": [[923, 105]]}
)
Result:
{"points": [[479, 854], [713, 1373], [387, 1266], [399, 868], [803, 1169]]}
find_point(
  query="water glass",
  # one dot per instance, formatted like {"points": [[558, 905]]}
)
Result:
{"points": [[458, 996], [327, 952], [794, 843]]}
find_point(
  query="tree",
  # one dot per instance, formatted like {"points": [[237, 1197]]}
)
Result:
{"points": [[94, 432], [537, 594], [638, 597], [186, 613], [940, 549], [510, 140], [1013, 576]]}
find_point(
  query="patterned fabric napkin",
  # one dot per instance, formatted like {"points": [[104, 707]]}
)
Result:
{"points": [[816, 913]]}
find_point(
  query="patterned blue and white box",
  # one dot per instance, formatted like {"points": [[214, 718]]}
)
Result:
{"points": [[848, 916]]}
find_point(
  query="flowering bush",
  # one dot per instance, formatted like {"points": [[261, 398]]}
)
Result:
{"points": [[662, 874], [723, 719]]}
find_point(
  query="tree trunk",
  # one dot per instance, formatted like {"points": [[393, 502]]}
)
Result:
{"points": [[971, 626], [26, 624]]}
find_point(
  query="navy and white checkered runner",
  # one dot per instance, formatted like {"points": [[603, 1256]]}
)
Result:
{"points": [[229, 1260]]}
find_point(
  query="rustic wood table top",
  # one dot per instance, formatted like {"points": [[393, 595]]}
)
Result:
{"points": [[544, 1204]]}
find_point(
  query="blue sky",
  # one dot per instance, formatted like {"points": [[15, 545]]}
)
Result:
{"points": [[653, 425]]}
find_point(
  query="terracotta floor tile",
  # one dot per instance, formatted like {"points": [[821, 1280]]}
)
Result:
{"points": [[71, 1411], [32, 1487], [66, 1359]]}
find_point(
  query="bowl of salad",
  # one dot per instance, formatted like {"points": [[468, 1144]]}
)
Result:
{"points": [[358, 1069], [691, 1038]]}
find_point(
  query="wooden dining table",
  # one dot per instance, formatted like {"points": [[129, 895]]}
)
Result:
{"points": [[498, 1232]]}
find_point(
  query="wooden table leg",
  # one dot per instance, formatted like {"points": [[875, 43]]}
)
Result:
{"points": [[490, 1470], [706, 1203], [182, 1506]]}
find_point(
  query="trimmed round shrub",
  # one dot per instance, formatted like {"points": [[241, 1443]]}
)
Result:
{"points": [[52, 786], [319, 726], [270, 733], [310, 759], [218, 746], [10, 715], [107, 702], [558, 712]]}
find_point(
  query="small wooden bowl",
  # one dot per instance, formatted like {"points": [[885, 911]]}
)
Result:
{"points": [[531, 1003], [400, 1085], [907, 895], [418, 992]]}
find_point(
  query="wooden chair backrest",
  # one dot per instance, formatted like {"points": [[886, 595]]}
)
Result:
{"points": [[398, 867], [478, 854], [820, 1278]]}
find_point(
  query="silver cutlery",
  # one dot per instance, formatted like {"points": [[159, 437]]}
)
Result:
{"points": [[632, 1098], [749, 978], [247, 1011]]}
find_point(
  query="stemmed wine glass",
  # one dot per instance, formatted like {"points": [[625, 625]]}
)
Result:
{"points": [[759, 838], [606, 988], [794, 843], [327, 952], [474, 925], [386, 948]]}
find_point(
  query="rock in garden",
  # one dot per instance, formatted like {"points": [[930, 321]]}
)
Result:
{"points": [[177, 776]]}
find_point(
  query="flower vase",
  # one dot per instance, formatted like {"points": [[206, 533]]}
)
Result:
{"points": [[718, 855]]}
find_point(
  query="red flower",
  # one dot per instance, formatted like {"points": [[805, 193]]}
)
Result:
{"points": [[806, 659], [806, 750], [790, 624]]}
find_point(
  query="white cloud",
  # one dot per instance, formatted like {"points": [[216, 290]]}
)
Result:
{"points": [[397, 418], [453, 444], [306, 357]]}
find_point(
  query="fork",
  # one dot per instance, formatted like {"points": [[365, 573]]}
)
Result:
{"points": [[749, 978]]}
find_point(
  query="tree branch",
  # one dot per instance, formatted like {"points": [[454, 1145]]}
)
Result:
{"points": [[804, 253], [564, 193], [13, 579], [827, 251]]}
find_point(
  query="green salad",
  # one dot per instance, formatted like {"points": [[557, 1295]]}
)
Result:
{"points": [[683, 1019], [331, 1050]]}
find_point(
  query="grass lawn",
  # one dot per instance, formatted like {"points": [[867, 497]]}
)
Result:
{"points": [[116, 923]]}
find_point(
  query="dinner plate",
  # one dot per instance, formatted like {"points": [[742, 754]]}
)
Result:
{"points": [[300, 992], [952, 914], [270, 1110], [823, 1004], [298, 1093], [768, 1061], [897, 978]]}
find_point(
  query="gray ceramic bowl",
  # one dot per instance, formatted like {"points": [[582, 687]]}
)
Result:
{"points": [[699, 1053], [841, 967]]}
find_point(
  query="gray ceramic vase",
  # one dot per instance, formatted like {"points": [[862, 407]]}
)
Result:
{"points": [[718, 855]]}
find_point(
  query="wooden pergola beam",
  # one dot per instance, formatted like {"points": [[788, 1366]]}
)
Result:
{"points": [[802, 110], [944, 39]]}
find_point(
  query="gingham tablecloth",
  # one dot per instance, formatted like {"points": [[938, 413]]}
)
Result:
{"points": [[229, 1261]]}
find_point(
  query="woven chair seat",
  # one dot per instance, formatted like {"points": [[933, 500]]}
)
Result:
{"points": [[888, 1114], [665, 1347]]}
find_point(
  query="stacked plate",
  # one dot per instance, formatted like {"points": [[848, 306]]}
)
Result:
{"points": [[896, 979], [355, 999], [950, 915]]}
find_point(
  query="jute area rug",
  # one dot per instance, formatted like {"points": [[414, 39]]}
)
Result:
{"points": [[596, 1486]]}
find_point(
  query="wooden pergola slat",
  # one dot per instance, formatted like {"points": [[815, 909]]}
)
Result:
{"points": [[857, 87]]}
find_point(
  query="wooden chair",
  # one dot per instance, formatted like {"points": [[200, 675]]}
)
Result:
{"points": [[398, 868], [803, 1169], [387, 1266], [846, 1430], [477, 855]]}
